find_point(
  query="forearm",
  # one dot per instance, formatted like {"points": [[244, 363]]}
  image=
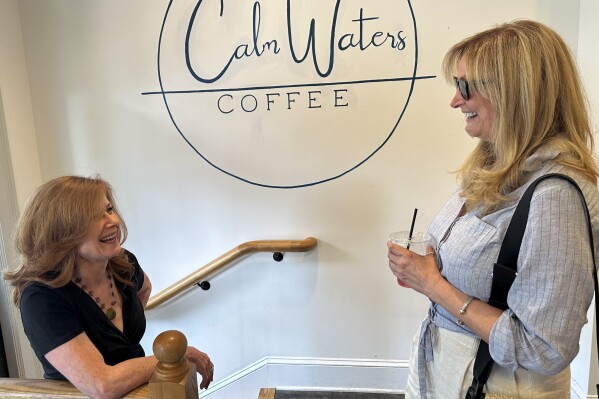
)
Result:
{"points": [[81, 363], [421, 273], [479, 316], [115, 381], [125, 376]]}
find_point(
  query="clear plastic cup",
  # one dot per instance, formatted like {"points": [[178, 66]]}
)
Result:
{"points": [[417, 243]]}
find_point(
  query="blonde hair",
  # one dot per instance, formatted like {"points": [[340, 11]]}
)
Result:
{"points": [[529, 76], [54, 223]]}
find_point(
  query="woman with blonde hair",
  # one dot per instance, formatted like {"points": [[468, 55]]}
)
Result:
{"points": [[518, 88], [81, 295]]}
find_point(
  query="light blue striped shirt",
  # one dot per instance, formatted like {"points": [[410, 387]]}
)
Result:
{"points": [[550, 296]]}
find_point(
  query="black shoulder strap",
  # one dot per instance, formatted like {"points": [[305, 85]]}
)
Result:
{"points": [[505, 271]]}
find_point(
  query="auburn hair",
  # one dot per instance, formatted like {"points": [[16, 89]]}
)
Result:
{"points": [[53, 224]]}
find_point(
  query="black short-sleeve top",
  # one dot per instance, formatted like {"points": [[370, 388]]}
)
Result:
{"points": [[54, 316]]}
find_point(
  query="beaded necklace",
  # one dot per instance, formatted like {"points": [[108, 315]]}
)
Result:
{"points": [[110, 312]]}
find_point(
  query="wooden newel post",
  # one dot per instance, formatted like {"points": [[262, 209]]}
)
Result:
{"points": [[174, 377]]}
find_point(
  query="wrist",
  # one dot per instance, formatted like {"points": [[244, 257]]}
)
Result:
{"points": [[464, 309], [438, 290]]}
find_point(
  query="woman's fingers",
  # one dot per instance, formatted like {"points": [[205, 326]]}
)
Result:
{"points": [[204, 366], [411, 269], [402, 283]]}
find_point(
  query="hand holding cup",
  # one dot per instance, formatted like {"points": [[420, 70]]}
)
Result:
{"points": [[416, 242]]}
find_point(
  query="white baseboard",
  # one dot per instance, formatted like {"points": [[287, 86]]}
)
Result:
{"points": [[333, 374], [578, 392]]}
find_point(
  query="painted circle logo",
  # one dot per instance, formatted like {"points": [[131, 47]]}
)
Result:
{"points": [[287, 94]]}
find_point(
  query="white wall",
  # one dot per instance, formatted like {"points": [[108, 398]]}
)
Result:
{"points": [[588, 60], [17, 103], [87, 65], [19, 175]]}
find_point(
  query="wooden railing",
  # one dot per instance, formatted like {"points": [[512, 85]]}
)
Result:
{"points": [[267, 393], [174, 377], [224, 260], [13, 388]]}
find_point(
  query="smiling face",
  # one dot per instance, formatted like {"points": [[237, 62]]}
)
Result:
{"points": [[478, 111], [102, 240]]}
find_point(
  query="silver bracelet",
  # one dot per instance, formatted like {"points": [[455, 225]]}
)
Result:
{"points": [[465, 305], [463, 309]]}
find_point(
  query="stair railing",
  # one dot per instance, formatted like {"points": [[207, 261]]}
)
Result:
{"points": [[278, 247], [174, 377]]}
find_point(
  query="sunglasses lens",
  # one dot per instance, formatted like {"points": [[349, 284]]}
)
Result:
{"points": [[464, 89], [462, 86]]}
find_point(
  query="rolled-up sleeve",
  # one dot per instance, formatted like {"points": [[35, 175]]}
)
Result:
{"points": [[550, 296]]}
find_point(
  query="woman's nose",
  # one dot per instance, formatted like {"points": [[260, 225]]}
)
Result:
{"points": [[114, 219], [457, 99]]}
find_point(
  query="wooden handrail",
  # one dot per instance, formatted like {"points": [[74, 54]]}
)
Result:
{"points": [[223, 260], [13, 388]]}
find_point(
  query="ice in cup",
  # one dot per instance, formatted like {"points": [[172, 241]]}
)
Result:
{"points": [[417, 243]]}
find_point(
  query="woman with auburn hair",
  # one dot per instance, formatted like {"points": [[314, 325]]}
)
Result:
{"points": [[518, 88], [81, 295]]}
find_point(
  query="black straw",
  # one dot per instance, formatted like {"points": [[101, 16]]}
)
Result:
{"points": [[412, 228]]}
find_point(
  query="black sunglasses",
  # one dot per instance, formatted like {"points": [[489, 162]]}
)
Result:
{"points": [[462, 86]]}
